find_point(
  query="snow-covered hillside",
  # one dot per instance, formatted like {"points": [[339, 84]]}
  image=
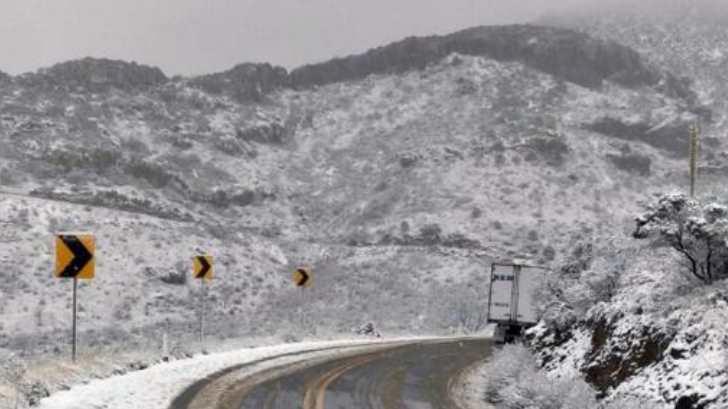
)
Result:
{"points": [[626, 320], [659, 337], [397, 175]]}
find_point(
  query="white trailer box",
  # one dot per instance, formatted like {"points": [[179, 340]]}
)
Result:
{"points": [[512, 294], [500, 304], [529, 280]]}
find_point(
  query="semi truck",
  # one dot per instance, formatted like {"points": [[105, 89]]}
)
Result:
{"points": [[511, 301]]}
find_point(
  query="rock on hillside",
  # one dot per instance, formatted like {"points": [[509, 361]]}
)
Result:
{"points": [[97, 75], [244, 82]]}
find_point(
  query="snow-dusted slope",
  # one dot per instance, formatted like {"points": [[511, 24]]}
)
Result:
{"points": [[156, 387], [659, 336], [398, 183]]}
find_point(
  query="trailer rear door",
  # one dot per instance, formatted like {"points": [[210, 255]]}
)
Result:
{"points": [[500, 303], [529, 279]]}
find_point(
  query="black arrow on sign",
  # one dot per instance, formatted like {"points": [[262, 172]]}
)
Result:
{"points": [[303, 278], [81, 256], [205, 266]]}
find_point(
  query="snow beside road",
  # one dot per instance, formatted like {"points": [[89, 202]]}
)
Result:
{"points": [[158, 385]]}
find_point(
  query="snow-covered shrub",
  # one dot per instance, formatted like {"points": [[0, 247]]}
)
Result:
{"points": [[564, 294], [37, 391], [631, 162], [698, 232], [503, 368], [600, 281], [630, 403], [12, 370], [7, 178], [469, 315], [175, 277], [431, 233], [153, 173], [367, 329], [513, 381], [553, 150], [559, 317], [462, 306]]}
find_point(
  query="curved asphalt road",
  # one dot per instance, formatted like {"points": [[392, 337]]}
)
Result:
{"points": [[414, 376]]}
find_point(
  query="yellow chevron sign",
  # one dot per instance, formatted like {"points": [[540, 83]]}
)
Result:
{"points": [[303, 277], [75, 256], [202, 267]]}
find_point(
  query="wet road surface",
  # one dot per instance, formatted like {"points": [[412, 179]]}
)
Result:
{"points": [[416, 376]]}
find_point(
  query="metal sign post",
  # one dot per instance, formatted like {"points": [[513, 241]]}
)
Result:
{"points": [[302, 278], [202, 315], [303, 305], [75, 287], [75, 259], [202, 269]]}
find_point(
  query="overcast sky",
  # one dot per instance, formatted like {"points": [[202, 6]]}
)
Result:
{"points": [[201, 36]]}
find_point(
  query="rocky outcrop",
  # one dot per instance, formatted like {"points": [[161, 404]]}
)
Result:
{"points": [[97, 75], [608, 368], [244, 82], [631, 162], [670, 137], [271, 134]]}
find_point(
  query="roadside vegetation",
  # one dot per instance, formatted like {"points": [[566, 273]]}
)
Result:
{"points": [[514, 381], [629, 321]]}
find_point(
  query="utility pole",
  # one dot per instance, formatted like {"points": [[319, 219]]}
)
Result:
{"points": [[694, 135]]}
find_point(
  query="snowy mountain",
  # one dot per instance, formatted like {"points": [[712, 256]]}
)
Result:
{"points": [[626, 316], [397, 174]]}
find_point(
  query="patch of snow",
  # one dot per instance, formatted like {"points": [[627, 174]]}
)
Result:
{"points": [[157, 386]]}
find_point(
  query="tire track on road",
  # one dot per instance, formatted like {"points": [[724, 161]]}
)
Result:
{"points": [[394, 375]]}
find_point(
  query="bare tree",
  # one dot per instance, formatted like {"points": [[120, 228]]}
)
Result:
{"points": [[470, 316], [698, 232], [463, 305]]}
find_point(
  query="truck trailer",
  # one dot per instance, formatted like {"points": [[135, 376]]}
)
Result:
{"points": [[512, 298]]}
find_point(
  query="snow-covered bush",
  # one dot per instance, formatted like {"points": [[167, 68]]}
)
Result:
{"points": [[461, 306], [503, 368], [630, 403], [367, 329], [12, 370], [698, 232], [566, 293], [602, 277], [513, 381]]}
